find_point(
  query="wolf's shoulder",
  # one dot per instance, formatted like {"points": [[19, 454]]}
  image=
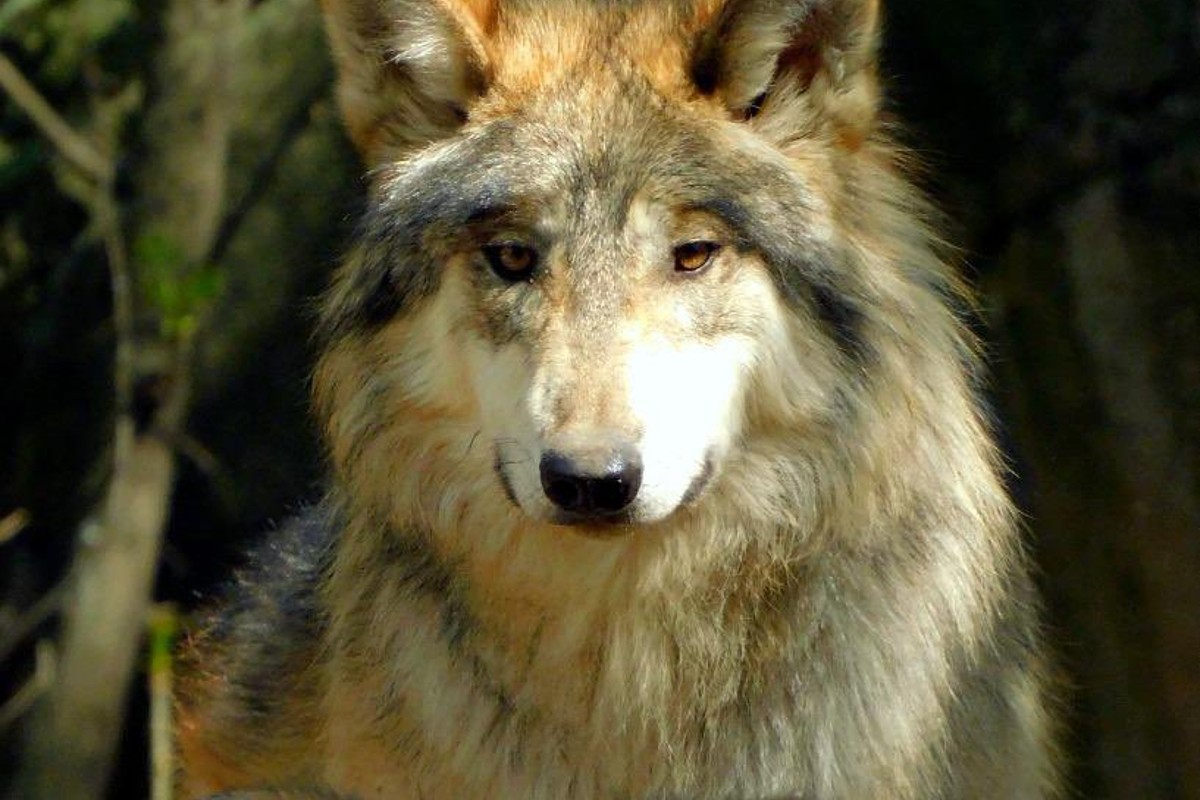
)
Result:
{"points": [[248, 688], [273, 601]]}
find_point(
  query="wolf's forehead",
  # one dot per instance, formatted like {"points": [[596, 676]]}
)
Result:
{"points": [[550, 170], [583, 179], [600, 116], [587, 43]]}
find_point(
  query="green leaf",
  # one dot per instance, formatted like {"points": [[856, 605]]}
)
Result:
{"points": [[179, 293]]}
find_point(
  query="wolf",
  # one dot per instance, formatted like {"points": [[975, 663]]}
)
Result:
{"points": [[658, 463]]}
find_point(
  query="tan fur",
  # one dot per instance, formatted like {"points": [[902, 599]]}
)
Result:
{"points": [[842, 611]]}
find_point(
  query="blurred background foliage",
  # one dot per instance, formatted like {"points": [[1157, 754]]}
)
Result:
{"points": [[1063, 139]]}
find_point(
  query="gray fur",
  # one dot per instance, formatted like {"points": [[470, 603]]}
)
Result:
{"points": [[833, 604]]}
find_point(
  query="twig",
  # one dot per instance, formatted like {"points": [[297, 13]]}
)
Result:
{"points": [[82, 154], [45, 607], [164, 624], [264, 171], [13, 523], [75, 148], [108, 221], [35, 687], [194, 451]]}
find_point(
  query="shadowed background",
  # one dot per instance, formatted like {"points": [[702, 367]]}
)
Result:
{"points": [[1062, 139]]}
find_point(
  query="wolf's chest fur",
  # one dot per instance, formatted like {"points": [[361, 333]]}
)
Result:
{"points": [[657, 465], [768, 682]]}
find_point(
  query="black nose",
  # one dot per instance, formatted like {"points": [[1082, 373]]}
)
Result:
{"points": [[594, 493]]}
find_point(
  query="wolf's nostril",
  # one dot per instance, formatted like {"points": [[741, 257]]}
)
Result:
{"points": [[566, 493], [573, 488], [616, 489]]}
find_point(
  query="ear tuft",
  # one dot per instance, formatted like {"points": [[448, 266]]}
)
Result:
{"points": [[813, 60], [407, 69]]}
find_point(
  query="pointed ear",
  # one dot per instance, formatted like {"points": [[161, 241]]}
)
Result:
{"points": [[407, 69], [797, 64]]}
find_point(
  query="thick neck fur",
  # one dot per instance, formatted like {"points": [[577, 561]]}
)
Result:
{"points": [[619, 648]]}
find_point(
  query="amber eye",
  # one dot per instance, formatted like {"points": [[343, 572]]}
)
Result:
{"points": [[511, 261], [694, 256]]}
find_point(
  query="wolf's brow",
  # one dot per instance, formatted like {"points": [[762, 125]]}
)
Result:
{"points": [[485, 209], [730, 212]]}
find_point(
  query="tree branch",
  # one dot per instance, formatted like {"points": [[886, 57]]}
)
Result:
{"points": [[24, 698], [12, 524], [265, 169], [75, 148], [45, 607]]}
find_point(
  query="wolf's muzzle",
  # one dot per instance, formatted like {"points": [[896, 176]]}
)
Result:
{"points": [[589, 493]]}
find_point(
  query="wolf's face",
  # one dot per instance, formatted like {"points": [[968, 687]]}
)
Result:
{"points": [[603, 240], [611, 318]]}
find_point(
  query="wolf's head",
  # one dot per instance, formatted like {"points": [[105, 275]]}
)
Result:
{"points": [[618, 252]]}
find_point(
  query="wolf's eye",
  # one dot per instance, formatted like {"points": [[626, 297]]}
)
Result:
{"points": [[511, 261], [694, 256]]}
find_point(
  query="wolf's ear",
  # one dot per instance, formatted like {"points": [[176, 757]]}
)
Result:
{"points": [[798, 63], [407, 69]]}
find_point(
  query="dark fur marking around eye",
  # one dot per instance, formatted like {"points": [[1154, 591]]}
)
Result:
{"points": [[800, 268], [397, 265], [402, 241]]}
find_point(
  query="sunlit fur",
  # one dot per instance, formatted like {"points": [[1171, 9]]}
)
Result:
{"points": [[819, 592]]}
